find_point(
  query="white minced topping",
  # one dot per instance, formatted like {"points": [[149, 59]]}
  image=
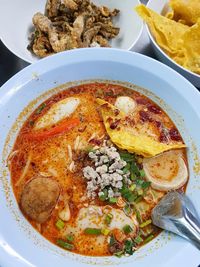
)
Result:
{"points": [[107, 172]]}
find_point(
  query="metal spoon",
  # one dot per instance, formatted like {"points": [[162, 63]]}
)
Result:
{"points": [[176, 213]]}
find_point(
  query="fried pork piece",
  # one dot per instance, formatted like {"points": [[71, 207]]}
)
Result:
{"points": [[51, 8], [42, 22], [59, 41], [39, 198], [70, 4], [100, 40], [41, 46], [69, 24], [90, 34]]}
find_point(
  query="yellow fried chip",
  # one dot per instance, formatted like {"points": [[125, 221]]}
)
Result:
{"points": [[185, 11], [191, 40], [170, 14], [167, 32], [125, 139]]}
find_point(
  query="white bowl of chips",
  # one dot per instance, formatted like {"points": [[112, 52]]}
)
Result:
{"points": [[177, 42]]}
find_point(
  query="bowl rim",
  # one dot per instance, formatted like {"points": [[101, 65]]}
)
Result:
{"points": [[162, 51], [96, 51], [139, 34]]}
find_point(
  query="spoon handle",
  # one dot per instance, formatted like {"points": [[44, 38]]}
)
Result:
{"points": [[187, 226], [193, 229], [176, 213]]}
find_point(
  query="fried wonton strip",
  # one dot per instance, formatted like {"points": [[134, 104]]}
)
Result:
{"points": [[166, 32], [187, 11], [142, 145], [191, 40], [124, 139]]}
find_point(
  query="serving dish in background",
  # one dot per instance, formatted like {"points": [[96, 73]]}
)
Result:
{"points": [[20, 245], [162, 7], [15, 35]]}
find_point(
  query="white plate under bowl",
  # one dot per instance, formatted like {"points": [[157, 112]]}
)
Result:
{"points": [[20, 244], [159, 6], [16, 24]]}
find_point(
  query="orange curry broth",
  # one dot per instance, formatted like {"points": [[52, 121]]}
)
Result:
{"points": [[73, 185]]}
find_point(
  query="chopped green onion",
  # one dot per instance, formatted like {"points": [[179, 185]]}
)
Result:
{"points": [[112, 240], [64, 244], [127, 209], [143, 184], [134, 169], [131, 197], [149, 238], [138, 199], [138, 216], [146, 184], [146, 231], [127, 229], [126, 168], [124, 190], [140, 192], [138, 240], [108, 218], [92, 231], [105, 231], [145, 223], [142, 173], [41, 107], [60, 224], [70, 238], [104, 195], [133, 177], [113, 200], [139, 182], [128, 247], [132, 187], [31, 123], [119, 254], [128, 194], [89, 149], [127, 156]]}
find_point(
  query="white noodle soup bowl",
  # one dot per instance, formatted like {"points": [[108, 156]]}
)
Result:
{"points": [[161, 7], [20, 244]]}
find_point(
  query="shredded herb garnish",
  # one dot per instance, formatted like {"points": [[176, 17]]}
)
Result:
{"points": [[147, 222], [40, 108], [31, 123], [113, 200], [70, 238], [138, 240], [65, 244], [128, 246], [108, 218], [92, 231], [149, 238], [60, 224], [127, 229]]}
